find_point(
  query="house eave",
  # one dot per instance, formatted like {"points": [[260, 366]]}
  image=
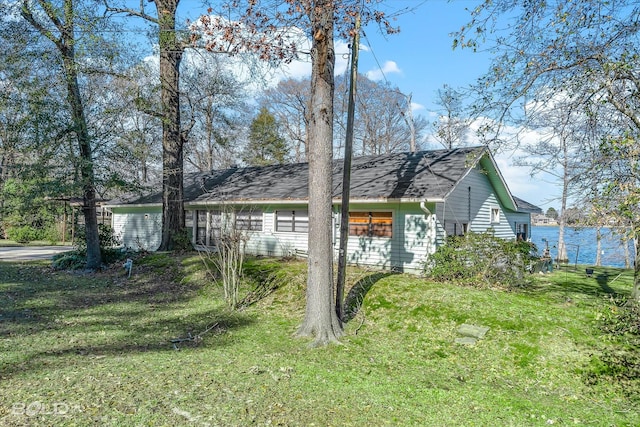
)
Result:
{"points": [[336, 201], [133, 206]]}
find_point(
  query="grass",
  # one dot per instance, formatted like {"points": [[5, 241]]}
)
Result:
{"points": [[10, 243], [161, 349]]}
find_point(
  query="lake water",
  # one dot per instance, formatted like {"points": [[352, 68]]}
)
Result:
{"points": [[582, 244]]}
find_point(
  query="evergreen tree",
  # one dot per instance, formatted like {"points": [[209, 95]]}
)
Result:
{"points": [[266, 146]]}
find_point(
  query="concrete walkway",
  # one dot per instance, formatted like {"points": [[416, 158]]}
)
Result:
{"points": [[30, 253]]}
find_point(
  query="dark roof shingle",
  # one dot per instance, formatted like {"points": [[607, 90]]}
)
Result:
{"points": [[421, 175], [389, 176]]}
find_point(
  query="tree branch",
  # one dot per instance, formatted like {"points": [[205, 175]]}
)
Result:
{"points": [[132, 12]]}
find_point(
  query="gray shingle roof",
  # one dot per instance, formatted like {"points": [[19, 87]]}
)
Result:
{"points": [[389, 176], [425, 174], [525, 206]]}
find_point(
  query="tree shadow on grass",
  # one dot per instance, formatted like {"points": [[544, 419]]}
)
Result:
{"points": [[34, 294], [602, 281], [119, 333], [355, 297], [47, 318]]}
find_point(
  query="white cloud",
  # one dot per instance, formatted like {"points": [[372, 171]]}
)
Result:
{"points": [[542, 189], [417, 107], [389, 67]]}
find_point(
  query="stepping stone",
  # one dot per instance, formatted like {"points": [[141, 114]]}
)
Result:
{"points": [[473, 331]]}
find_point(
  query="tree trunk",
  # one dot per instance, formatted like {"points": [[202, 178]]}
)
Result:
{"points": [[627, 254], [320, 319], [598, 245], [65, 44], [94, 257], [635, 293], [172, 143], [562, 248]]}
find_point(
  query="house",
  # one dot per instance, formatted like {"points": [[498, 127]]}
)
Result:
{"points": [[402, 206], [540, 219]]}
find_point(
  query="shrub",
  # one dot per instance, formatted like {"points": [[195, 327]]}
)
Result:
{"points": [[51, 234], [106, 237], [24, 234], [109, 250], [74, 260], [480, 259]]}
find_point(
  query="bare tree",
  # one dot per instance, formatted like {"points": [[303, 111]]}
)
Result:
{"points": [[452, 127], [566, 132], [584, 47], [289, 103], [224, 256], [213, 110]]}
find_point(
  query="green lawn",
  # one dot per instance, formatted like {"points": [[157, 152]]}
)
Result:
{"points": [[82, 350], [7, 242]]}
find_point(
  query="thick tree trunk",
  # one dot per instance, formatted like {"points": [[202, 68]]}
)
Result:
{"points": [[65, 44], [172, 144], [87, 176], [94, 257], [320, 319]]}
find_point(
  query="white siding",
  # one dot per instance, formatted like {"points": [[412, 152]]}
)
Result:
{"points": [[416, 233], [277, 243], [138, 229], [414, 237], [270, 242], [471, 203]]}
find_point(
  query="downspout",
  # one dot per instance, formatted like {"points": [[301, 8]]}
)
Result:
{"points": [[427, 211], [424, 208]]}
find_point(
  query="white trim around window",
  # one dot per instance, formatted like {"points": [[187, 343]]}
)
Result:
{"points": [[495, 215]]}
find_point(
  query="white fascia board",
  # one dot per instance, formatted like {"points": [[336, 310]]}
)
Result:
{"points": [[244, 202], [140, 205]]}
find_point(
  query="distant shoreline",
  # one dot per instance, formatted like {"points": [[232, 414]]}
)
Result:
{"points": [[578, 226]]}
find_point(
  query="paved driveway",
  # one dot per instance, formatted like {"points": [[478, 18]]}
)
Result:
{"points": [[30, 253]]}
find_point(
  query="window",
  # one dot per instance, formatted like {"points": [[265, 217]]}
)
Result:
{"points": [[208, 227], [215, 223], [371, 224], [495, 215], [296, 221], [249, 220], [188, 219], [522, 231], [201, 227], [456, 228]]}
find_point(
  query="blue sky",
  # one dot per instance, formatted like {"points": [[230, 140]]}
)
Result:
{"points": [[422, 55], [419, 60]]}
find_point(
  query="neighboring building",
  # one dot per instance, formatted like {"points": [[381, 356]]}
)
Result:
{"points": [[540, 219], [402, 206]]}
